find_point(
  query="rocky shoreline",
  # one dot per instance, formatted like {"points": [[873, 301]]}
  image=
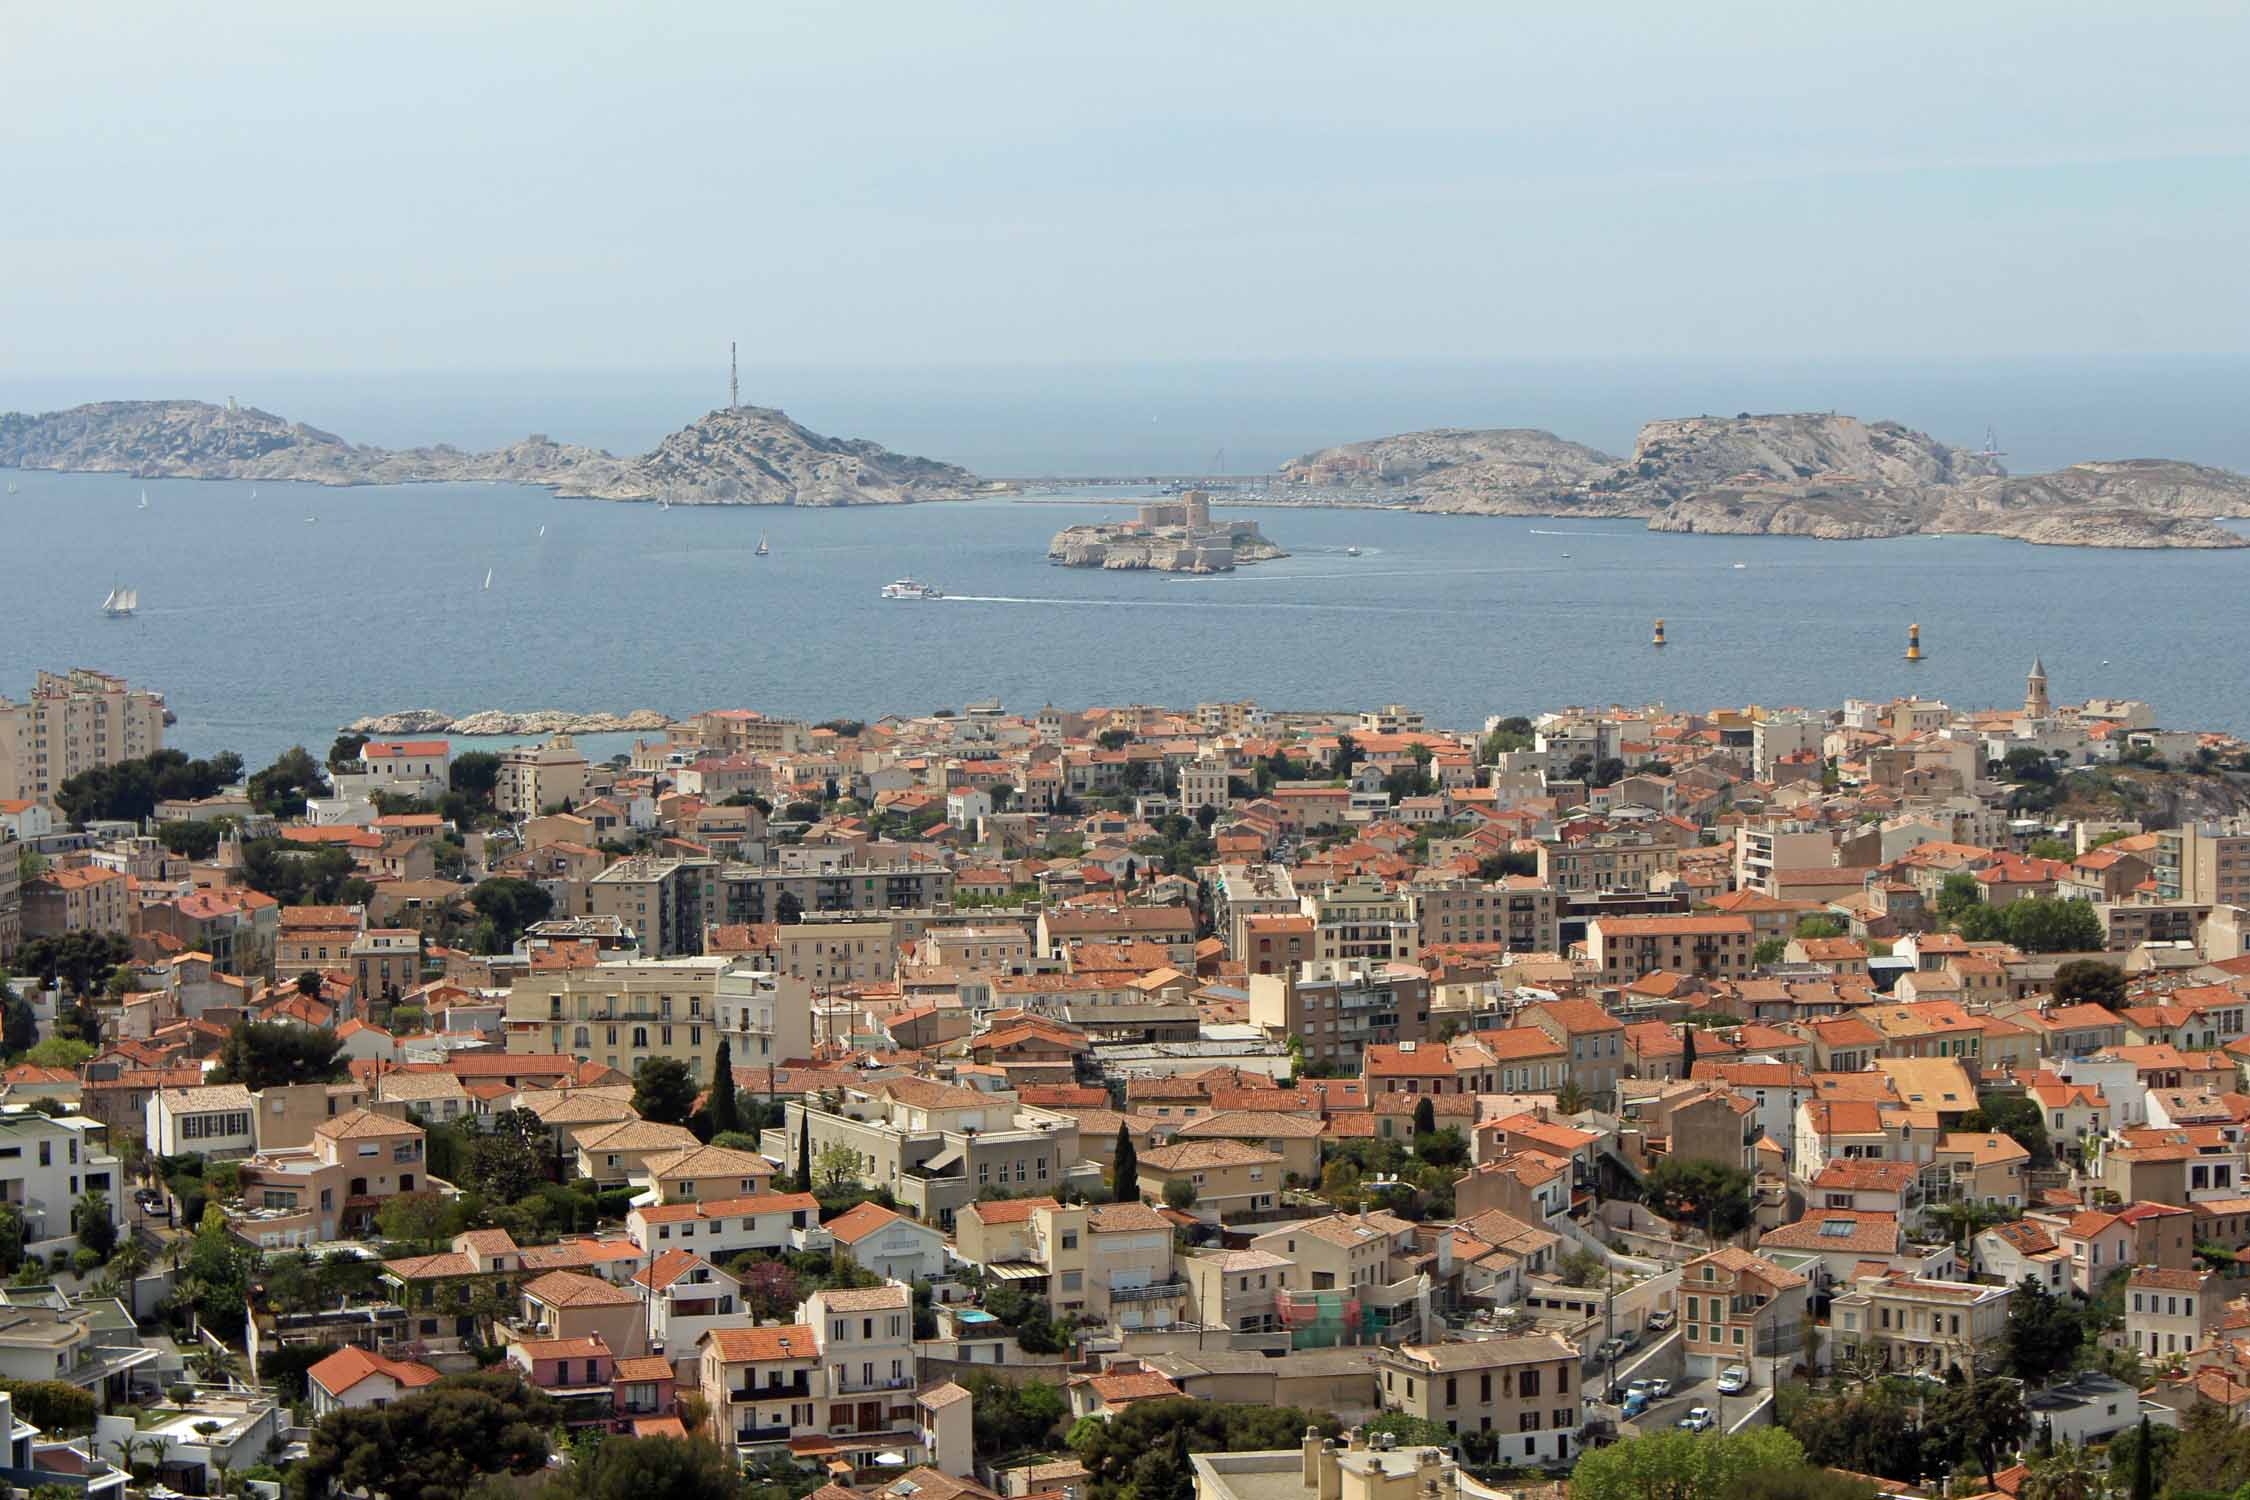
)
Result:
{"points": [[1815, 475], [500, 723], [740, 455]]}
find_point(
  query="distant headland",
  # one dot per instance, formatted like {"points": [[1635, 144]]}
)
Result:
{"points": [[1809, 474]]}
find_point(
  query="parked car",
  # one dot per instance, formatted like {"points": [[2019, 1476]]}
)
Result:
{"points": [[1636, 1402], [1642, 1388], [1659, 1388], [1661, 1322], [1733, 1380], [1609, 1349], [1698, 1419]]}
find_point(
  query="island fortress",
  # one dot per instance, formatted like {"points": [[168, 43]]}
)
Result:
{"points": [[1171, 536]]}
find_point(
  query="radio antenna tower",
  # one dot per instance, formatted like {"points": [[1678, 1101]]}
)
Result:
{"points": [[734, 379], [1991, 448]]}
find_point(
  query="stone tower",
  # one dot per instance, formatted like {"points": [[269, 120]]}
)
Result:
{"points": [[2035, 691]]}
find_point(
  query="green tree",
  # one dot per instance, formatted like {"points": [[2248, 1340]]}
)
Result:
{"points": [[1714, 1194], [1957, 894], [280, 790], [1113, 1450], [2043, 1333], [1425, 1117], [97, 1226], [60, 1052], [1819, 926], [1986, 1417], [2051, 849], [629, 1468], [21, 1032], [720, 1108], [788, 908], [195, 838], [1011, 1419], [1571, 1098], [1125, 1180], [1180, 1193], [509, 1161], [510, 905], [1687, 1051], [345, 751], [2087, 981], [838, 1167], [475, 774], [261, 1054], [2017, 1118], [1769, 951], [56, 1405], [1683, 1465], [1501, 866], [434, 1444], [418, 1217], [128, 790], [664, 1091], [79, 961]]}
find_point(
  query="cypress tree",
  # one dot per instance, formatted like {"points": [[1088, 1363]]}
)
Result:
{"points": [[2144, 1482], [1425, 1117], [804, 1149], [1687, 1051], [725, 1115], [1127, 1178]]}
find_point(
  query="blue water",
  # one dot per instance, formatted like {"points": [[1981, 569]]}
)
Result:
{"points": [[266, 631]]}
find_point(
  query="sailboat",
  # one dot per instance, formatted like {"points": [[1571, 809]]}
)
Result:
{"points": [[488, 578], [121, 602], [762, 548], [542, 531], [144, 499], [253, 492], [11, 486]]}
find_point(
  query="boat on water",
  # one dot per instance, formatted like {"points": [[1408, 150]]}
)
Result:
{"points": [[762, 548], [907, 588], [312, 520], [253, 492], [11, 486], [144, 499], [1351, 552], [1740, 566], [542, 531], [121, 603], [488, 579]]}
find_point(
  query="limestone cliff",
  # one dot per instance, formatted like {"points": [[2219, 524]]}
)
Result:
{"points": [[745, 455], [1814, 474]]}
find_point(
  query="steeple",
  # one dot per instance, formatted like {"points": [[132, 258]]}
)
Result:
{"points": [[2035, 691]]}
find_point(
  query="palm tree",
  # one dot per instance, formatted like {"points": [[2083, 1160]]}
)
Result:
{"points": [[130, 1258], [2068, 1475], [1570, 1099]]}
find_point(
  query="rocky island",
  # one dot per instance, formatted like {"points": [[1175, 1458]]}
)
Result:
{"points": [[1169, 536], [739, 455], [1813, 474]]}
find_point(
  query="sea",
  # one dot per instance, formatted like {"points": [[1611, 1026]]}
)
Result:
{"points": [[272, 619]]}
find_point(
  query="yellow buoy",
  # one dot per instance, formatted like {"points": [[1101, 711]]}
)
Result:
{"points": [[1659, 638], [1913, 643]]}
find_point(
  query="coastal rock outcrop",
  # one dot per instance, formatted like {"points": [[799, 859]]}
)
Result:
{"points": [[744, 455], [499, 722], [1169, 536], [1811, 474]]}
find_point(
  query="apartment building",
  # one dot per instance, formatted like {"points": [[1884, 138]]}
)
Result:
{"points": [[1916, 1323], [534, 778], [665, 902], [1523, 1391], [414, 768], [11, 900], [1362, 919], [840, 1383], [80, 898], [313, 938], [1736, 1306], [1593, 1038], [2204, 863], [1339, 1009], [47, 1164], [73, 722], [1112, 1261], [1607, 862], [1356, 1280], [333, 1188], [1761, 853], [1245, 891], [622, 1014], [1626, 948], [217, 1121], [1518, 914], [1232, 1179], [2172, 1312], [933, 1145], [751, 894], [1237, 1289]]}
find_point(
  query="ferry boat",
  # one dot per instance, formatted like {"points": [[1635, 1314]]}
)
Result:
{"points": [[907, 588]]}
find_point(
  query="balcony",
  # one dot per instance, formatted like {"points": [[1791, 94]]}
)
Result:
{"points": [[778, 1390], [883, 1383], [1154, 1292], [748, 1435]]}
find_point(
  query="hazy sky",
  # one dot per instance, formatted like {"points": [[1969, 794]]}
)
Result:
{"points": [[483, 185]]}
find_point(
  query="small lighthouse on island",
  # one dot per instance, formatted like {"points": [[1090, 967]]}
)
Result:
{"points": [[1913, 643], [1658, 638]]}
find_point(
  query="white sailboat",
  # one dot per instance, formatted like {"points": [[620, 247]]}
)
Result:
{"points": [[144, 499], [488, 579], [253, 492], [121, 603], [11, 486], [542, 531], [762, 548]]}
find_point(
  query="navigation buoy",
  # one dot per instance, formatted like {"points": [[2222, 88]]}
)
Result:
{"points": [[1913, 643], [1658, 640]]}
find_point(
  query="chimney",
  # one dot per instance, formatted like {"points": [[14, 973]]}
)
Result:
{"points": [[1331, 1483], [1312, 1458]]}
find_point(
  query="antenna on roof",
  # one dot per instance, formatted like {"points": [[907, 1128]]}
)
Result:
{"points": [[734, 378]]}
